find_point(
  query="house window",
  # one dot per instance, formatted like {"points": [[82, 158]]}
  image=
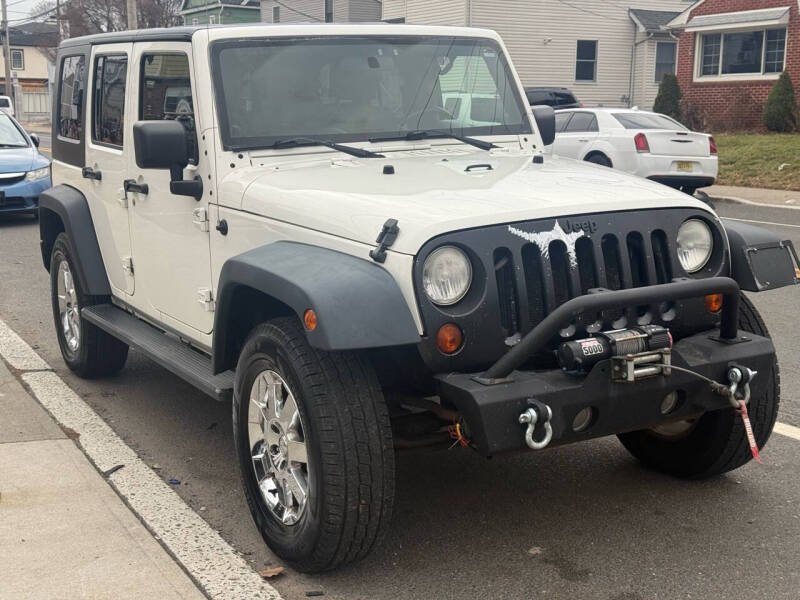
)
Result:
{"points": [[17, 60], [665, 60], [212, 19], [586, 61], [276, 14], [329, 11], [743, 53], [195, 21]]}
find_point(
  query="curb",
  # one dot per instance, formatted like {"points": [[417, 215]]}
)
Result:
{"points": [[736, 200]]}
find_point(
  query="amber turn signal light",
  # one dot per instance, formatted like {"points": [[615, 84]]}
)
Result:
{"points": [[449, 338], [714, 303], [310, 320]]}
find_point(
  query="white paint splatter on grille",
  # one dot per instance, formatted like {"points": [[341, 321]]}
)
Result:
{"points": [[545, 238]]}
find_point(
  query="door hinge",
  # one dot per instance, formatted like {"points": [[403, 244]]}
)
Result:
{"points": [[127, 265], [206, 298], [200, 218]]}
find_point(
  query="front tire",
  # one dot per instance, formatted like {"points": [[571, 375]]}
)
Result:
{"points": [[716, 443], [598, 158], [87, 350], [314, 443]]}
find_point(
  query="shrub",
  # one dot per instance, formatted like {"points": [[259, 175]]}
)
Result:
{"points": [[668, 100], [694, 116], [779, 109]]}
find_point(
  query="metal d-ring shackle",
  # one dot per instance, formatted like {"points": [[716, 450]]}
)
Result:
{"points": [[531, 417]]}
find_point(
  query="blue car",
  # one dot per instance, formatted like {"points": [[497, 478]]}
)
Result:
{"points": [[24, 173]]}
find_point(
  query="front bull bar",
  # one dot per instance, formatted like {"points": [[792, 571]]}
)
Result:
{"points": [[600, 299]]}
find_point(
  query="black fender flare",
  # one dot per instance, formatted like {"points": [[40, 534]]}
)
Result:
{"points": [[358, 303], [760, 259], [69, 206]]}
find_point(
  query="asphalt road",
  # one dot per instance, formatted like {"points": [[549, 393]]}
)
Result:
{"points": [[585, 521]]}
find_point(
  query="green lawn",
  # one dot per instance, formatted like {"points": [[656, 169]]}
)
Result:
{"points": [[753, 160]]}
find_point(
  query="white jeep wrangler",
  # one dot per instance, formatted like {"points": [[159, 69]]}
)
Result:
{"points": [[354, 233]]}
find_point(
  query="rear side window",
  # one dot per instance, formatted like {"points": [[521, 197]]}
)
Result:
{"points": [[4, 103], [562, 118], [108, 101], [537, 97], [165, 93], [582, 121], [564, 99], [70, 105], [646, 121]]}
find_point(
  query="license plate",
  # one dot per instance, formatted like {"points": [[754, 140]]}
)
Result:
{"points": [[685, 165]]}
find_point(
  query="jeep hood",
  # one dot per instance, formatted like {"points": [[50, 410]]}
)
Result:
{"points": [[430, 195]]}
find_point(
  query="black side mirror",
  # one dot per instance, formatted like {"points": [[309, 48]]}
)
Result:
{"points": [[35, 139], [163, 145], [546, 122]]}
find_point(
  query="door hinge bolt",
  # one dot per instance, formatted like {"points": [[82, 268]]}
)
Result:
{"points": [[127, 265], [206, 298], [200, 218]]}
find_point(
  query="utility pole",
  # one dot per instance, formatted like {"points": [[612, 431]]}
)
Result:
{"points": [[7, 55], [58, 19], [133, 17]]}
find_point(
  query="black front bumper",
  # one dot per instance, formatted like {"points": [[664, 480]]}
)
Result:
{"points": [[678, 181], [491, 412], [490, 403]]}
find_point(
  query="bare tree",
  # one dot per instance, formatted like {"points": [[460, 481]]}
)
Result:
{"points": [[84, 17]]}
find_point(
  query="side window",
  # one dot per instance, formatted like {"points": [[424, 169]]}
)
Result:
{"points": [[108, 104], [562, 118], [70, 104], [166, 93], [582, 121]]}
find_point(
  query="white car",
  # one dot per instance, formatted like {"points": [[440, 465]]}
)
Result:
{"points": [[6, 105], [646, 144]]}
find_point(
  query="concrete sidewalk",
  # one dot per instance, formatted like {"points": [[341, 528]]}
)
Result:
{"points": [[64, 533], [781, 198]]}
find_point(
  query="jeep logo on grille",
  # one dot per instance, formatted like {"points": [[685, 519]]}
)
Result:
{"points": [[588, 227]]}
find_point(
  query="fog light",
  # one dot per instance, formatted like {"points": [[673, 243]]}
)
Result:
{"points": [[714, 303], [310, 319], [449, 338], [583, 419], [669, 403]]}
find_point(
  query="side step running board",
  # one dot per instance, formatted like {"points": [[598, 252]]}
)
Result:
{"points": [[167, 351]]}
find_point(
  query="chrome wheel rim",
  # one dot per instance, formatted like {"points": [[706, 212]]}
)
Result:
{"points": [[278, 447], [68, 309]]}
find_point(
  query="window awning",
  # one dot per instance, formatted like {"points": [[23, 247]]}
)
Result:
{"points": [[737, 20]]}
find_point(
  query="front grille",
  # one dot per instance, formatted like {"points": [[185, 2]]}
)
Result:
{"points": [[6, 181], [522, 271], [551, 276]]}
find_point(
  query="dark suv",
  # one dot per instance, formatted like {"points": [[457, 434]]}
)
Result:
{"points": [[557, 97]]}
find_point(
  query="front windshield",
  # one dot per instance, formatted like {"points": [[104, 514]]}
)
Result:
{"points": [[10, 135], [354, 89]]}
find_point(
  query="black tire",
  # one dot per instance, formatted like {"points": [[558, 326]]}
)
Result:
{"points": [[97, 353], [348, 438], [598, 158], [718, 443]]}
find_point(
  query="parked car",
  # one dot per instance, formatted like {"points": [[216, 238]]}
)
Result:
{"points": [[6, 106], [357, 269], [24, 172], [646, 144], [557, 97]]}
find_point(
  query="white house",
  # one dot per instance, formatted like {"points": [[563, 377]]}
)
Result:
{"points": [[611, 53], [322, 11]]}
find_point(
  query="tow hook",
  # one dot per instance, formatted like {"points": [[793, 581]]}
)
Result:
{"points": [[535, 413], [738, 389]]}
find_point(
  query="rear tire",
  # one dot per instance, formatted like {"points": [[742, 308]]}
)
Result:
{"points": [[315, 454], [598, 158], [717, 443], [88, 350]]}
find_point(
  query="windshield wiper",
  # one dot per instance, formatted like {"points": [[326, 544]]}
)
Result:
{"points": [[351, 150], [434, 133]]}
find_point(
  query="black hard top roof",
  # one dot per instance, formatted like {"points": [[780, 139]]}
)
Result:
{"points": [[167, 34]]}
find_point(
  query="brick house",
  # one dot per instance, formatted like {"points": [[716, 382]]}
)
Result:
{"points": [[731, 52]]}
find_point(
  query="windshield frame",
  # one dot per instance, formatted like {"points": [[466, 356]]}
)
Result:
{"points": [[19, 129], [230, 143]]}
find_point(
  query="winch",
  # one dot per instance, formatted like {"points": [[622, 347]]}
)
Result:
{"points": [[633, 347]]}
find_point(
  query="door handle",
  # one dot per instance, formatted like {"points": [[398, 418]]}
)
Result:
{"points": [[130, 185], [583, 141], [89, 173]]}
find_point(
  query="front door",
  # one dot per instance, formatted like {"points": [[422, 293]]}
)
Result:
{"points": [[106, 165], [170, 234]]}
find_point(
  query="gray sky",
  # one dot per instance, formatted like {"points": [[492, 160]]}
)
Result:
{"points": [[19, 9]]}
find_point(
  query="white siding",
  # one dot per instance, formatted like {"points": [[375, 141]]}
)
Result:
{"points": [[294, 11], [364, 10], [393, 9], [437, 12]]}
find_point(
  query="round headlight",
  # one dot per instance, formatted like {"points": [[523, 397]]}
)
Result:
{"points": [[695, 244], [446, 275]]}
